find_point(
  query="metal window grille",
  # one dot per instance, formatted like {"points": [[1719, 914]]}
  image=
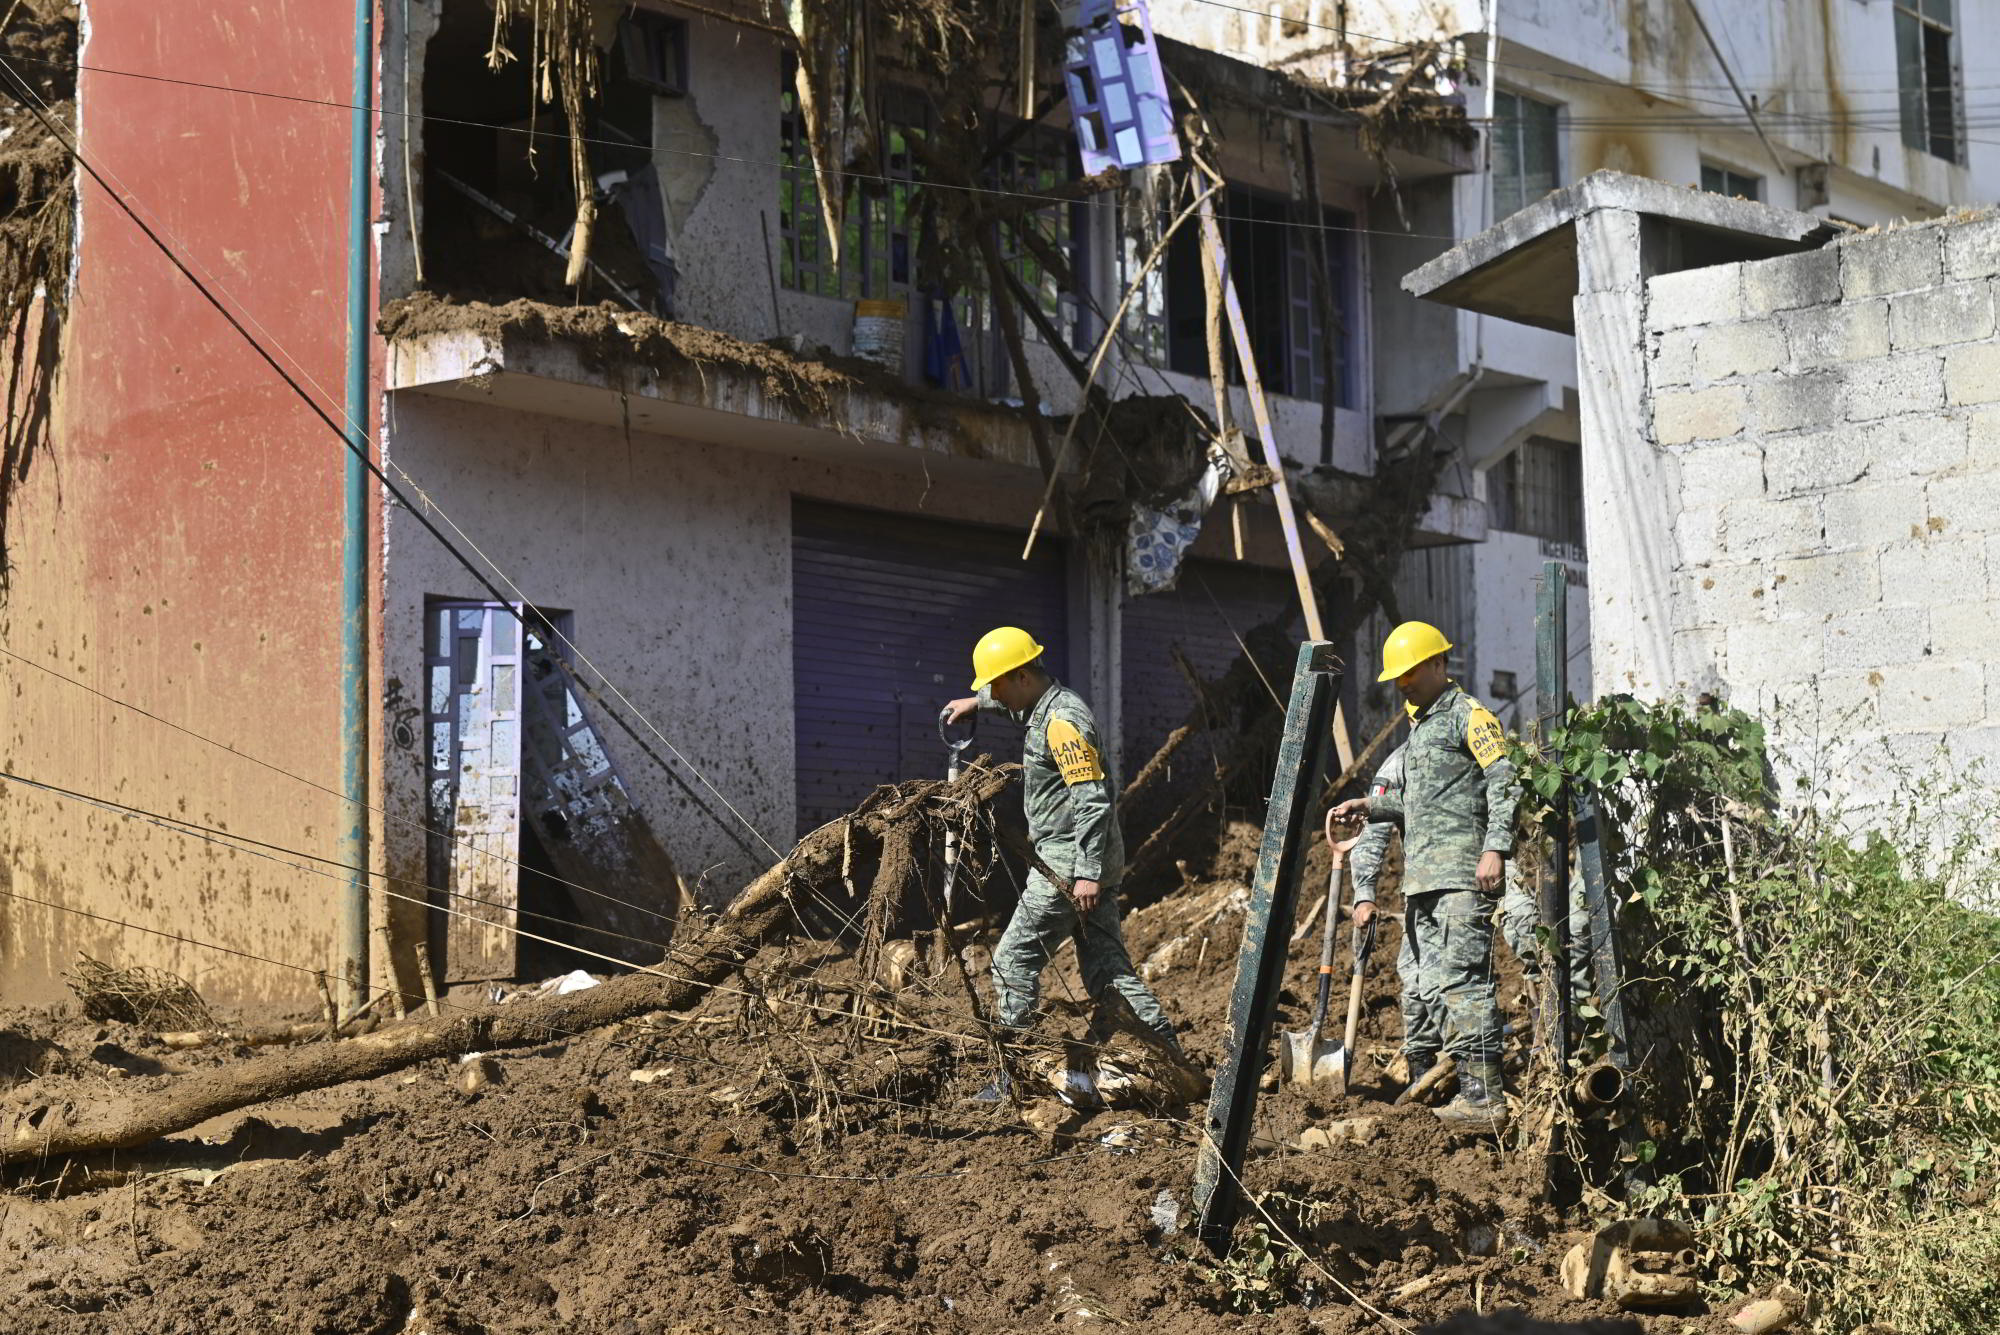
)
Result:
{"points": [[1260, 231], [1928, 78], [1538, 490], [878, 233], [1722, 181], [1525, 156]]}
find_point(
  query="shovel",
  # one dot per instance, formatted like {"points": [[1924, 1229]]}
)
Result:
{"points": [[955, 749], [1307, 1058]]}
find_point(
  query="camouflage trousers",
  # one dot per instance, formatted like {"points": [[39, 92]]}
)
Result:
{"points": [[1446, 964], [1042, 921]]}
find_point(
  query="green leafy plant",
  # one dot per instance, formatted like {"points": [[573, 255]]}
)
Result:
{"points": [[1817, 1054]]}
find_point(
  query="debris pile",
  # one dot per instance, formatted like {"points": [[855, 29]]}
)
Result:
{"points": [[789, 1146]]}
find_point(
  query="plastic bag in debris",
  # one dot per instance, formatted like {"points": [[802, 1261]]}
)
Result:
{"points": [[1157, 541], [576, 980], [1166, 1212]]}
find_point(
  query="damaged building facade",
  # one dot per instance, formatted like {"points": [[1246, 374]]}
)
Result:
{"points": [[1860, 114], [704, 485], [671, 564]]}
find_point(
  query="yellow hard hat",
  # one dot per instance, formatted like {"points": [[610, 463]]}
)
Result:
{"points": [[999, 652], [1409, 644]]}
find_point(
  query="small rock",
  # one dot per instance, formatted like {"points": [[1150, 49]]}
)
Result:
{"points": [[475, 1075], [647, 1077]]}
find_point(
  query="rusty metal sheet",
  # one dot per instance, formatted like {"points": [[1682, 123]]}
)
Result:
{"points": [[623, 882]]}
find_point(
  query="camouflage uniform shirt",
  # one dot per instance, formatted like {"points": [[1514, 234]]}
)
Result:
{"points": [[1457, 800], [1069, 790]]}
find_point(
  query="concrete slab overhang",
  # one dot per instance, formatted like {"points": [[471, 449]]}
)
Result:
{"points": [[1420, 151], [1525, 267], [713, 403]]}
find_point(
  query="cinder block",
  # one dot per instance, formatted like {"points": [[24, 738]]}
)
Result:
{"points": [[1828, 703], [1674, 357], [1960, 313], [1825, 584], [1934, 571], [1761, 527], [1774, 649], [1922, 695], [1791, 281], [1914, 446], [1976, 751], [1873, 637], [1878, 263], [1694, 297], [1714, 474], [1747, 347], [1683, 415], [1965, 503], [1906, 382], [1793, 402], [1698, 659], [1972, 249], [1972, 374], [1816, 460], [1722, 595], [1698, 535], [1965, 631], [1873, 515], [1828, 336]]}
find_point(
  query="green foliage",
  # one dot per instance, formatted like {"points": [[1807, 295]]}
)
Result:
{"points": [[1819, 1018]]}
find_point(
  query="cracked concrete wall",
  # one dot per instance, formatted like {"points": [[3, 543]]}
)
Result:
{"points": [[1831, 425]]}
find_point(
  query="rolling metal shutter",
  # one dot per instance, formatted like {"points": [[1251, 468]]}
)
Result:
{"points": [[1201, 616], [885, 611]]}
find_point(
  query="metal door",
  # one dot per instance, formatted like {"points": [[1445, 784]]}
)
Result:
{"points": [[473, 661], [885, 611]]}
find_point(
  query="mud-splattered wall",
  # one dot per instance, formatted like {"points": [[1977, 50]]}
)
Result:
{"points": [[181, 549]]}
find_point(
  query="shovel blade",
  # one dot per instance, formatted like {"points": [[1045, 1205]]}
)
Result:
{"points": [[1308, 1060]]}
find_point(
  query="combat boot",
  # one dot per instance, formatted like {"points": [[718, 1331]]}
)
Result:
{"points": [[1420, 1064], [1481, 1105]]}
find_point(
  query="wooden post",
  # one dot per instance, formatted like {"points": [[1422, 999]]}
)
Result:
{"points": [[1552, 699], [1260, 964], [1260, 411]]}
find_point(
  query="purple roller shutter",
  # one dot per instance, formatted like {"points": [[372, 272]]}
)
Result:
{"points": [[885, 611], [1197, 616]]}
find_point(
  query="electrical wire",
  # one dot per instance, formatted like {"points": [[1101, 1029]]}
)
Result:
{"points": [[521, 611], [385, 813]]}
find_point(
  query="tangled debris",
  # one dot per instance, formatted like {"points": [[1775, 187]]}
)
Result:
{"points": [[151, 998], [37, 222]]}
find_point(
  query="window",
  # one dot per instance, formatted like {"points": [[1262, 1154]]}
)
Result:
{"points": [[1270, 261], [1722, 181], [883, 245], [1538, 489], [654, 47], [1525, 155], [877, 232], [1927, 78]]}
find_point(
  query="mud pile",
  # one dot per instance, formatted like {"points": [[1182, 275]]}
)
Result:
{"points": [[796, 1153]]}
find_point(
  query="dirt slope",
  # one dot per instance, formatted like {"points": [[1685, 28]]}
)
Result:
{"points": [[782, 1168]]}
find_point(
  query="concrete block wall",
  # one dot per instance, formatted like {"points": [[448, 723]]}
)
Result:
{"points": [[1833, 424]]}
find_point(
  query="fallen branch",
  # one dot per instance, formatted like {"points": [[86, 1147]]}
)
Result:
{"points": [[697, 962]]}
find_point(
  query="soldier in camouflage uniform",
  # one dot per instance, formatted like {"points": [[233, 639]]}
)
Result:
{"points": [[1071, 798], [1457, 810], [1423, 1023]]}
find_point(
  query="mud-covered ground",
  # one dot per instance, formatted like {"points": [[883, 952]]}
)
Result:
{"points": [[797, 1154]]}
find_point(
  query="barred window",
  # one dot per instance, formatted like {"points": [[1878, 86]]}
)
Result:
{"points": [[1538, 489]]}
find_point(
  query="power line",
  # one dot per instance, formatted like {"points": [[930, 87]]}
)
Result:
{"points": [[383, 812], [40, 109]]}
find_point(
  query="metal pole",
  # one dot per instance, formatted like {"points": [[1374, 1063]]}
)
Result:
{"points": [[1552, 696], [1260, 964], [354, 720]]}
